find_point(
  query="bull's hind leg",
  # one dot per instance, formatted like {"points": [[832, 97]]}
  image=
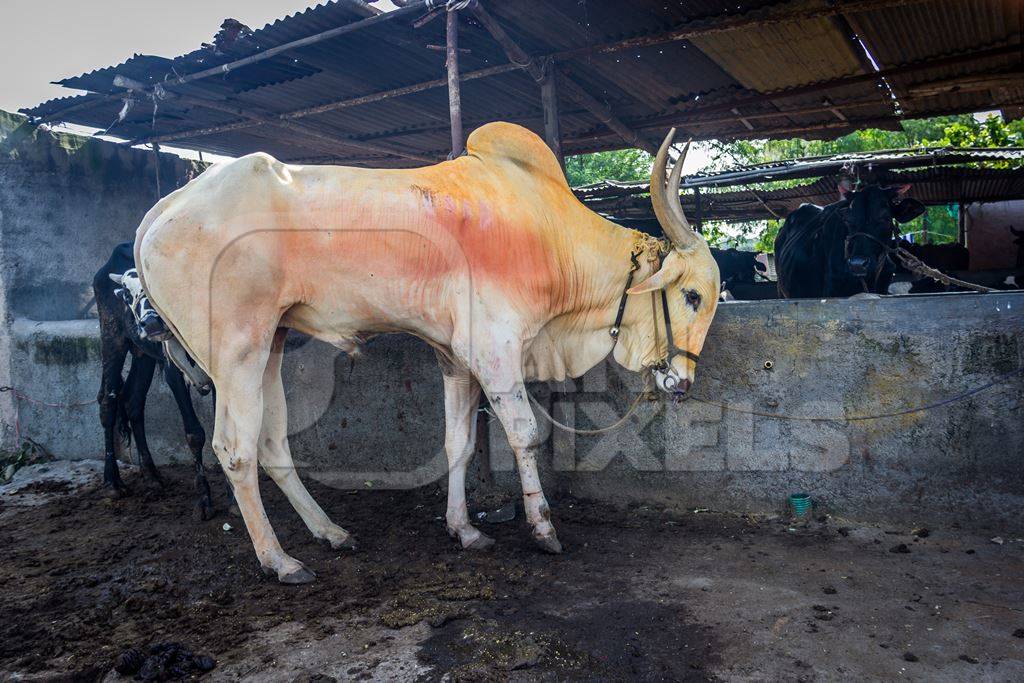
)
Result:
{"points": [[238, 375], [276, 459], [461, 398]]}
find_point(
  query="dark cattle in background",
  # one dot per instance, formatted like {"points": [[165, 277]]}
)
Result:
{"points": [[839, 250], [737, 267], [1018, 241], [123, 401]]}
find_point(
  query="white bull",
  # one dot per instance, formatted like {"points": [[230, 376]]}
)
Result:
{"points": [[489, 258]]}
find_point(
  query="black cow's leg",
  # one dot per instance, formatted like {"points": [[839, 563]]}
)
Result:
{"points": [[113, 349], [195, 437], [141, 376]]}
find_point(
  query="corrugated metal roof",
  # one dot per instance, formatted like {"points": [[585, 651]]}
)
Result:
{"points": [[854, 162], [648, 87], [932, 186]]}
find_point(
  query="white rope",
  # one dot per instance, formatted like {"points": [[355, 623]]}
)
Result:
{"points": [[590, 432]]}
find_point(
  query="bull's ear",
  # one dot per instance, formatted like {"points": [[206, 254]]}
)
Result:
{"points": [[907, 210], [118, 278], [651, 284]]}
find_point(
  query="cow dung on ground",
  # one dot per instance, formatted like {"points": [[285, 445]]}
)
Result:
{"points": [[640, 594]]}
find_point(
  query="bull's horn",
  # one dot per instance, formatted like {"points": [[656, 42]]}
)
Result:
{"points": [[665, 200]]}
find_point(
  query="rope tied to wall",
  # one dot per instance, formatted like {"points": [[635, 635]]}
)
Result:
{"points": [[780, 416], [19, 396], [602, 430]]}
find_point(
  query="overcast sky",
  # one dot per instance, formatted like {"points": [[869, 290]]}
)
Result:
{"points": [[47, 40]]}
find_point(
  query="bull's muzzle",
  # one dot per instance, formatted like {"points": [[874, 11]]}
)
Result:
{"points": [[669, 381]]}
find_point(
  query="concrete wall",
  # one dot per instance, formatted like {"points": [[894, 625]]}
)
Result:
{"points": [[829, 358], [65, 201], [379, 422]]}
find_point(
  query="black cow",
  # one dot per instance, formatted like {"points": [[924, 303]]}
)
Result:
{"points": [[123, 401], [737, 267], [839, 249]]}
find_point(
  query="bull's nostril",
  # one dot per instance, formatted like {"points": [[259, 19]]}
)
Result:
{"points": [[683, 386]]}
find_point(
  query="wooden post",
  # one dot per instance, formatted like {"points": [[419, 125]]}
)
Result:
{"points": [[698, 211], [156, 165], [549, 100], [454, 97]]}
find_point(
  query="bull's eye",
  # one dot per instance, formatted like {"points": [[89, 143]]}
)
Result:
{"points": [[692, 298]]}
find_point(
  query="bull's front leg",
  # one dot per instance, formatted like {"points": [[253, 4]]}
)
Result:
{"points": [[461, 399], [506, 392]]}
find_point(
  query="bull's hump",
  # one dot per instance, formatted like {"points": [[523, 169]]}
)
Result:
{"points": [[522, 147]]}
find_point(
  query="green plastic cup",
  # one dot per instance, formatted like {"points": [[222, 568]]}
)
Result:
{"points": [[801, 503]]}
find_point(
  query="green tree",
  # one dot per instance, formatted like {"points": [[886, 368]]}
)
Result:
{"points": [[625, 165]]}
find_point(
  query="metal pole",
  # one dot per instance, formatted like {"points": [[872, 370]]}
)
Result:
{"points": [[454, 96], [156, 163]]}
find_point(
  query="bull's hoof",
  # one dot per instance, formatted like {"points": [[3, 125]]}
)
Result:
{"points": [[481, 543], [348, 542], [549, 544], [297, 576]]}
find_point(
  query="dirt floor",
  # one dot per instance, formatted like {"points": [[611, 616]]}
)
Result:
{"points": [[639, 594]]}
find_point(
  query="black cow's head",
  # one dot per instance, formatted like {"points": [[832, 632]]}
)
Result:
{"points": [[149, 325], [871, 219]]}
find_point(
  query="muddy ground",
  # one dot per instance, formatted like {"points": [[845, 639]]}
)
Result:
{"points": [[639, 594]]}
